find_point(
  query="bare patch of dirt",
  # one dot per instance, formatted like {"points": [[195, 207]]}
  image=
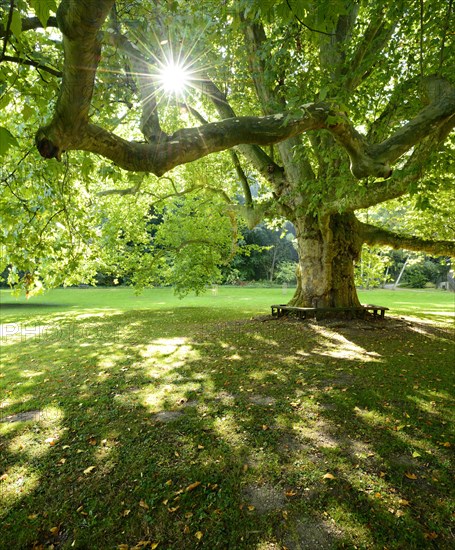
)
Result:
{"points": [[311, 534], [225, 398], [23, 416], [167, 416], [292, 444], [263, 400], [319, 434], [265, 498], [184, 402]]}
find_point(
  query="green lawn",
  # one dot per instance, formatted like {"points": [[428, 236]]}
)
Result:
{"points": [[143, 420]]}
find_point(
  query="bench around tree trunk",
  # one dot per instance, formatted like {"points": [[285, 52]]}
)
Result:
{"points": [[281, 310]]}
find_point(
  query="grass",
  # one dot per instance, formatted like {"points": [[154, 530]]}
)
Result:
{"points": [[136, 420]]}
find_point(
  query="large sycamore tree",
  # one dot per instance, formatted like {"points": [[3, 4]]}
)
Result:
{"points": [[336, 105]]}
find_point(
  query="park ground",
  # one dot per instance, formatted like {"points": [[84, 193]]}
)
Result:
{"points": [[141, 421]]}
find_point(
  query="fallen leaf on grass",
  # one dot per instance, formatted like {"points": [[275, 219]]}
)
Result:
{"points": [[199, 535], [54, 530], [172, 510], [400, 513], [446, 444], [126, 513], [290, 493], [410, 476], [415, 454], [328, 476], [431, 536], [32, 516], [186, 530], [89, 470], [141, 544], [143, 504], [251, 507], [3, 477], [193, 486], [403, 502]]}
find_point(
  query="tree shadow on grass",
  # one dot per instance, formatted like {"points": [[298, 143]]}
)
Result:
{"points": [[221, 434]]}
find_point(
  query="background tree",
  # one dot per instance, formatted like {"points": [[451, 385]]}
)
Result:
{"points": [[337, 106]]}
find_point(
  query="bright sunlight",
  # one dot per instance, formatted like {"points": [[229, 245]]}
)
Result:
{"points": [[173, 78]]}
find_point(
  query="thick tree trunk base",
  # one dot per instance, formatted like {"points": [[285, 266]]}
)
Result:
{"points": [[327, 251]]}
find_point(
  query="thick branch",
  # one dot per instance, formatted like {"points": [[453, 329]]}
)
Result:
{"points": [[399, 184], [30, 24], [79, 22], [188, 144], [425, 123], [375, 235]]}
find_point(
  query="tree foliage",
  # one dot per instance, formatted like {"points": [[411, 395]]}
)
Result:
{"points": [[327, 107]]}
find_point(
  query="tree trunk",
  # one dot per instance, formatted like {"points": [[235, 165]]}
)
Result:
{"points": [[327, 252]]}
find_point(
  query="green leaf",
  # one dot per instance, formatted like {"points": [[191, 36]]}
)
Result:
{"points": [[7, 140], [323, 93], [16, 24], [42, 8]]}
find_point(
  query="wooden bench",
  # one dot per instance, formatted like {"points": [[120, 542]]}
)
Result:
{"points": [[376, 310], [279, 310]]}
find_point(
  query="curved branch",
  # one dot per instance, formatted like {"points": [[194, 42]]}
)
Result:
{"points": [[426, 122], [185, 145], [31, 24], [376, 235], [79, 21], [32, 63]]}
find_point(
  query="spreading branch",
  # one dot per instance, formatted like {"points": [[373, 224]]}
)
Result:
{"points": [[30, 24], [70, 127], [378, 236]]}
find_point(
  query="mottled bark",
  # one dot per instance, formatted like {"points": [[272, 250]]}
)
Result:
{"points": [[327, 252]]}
